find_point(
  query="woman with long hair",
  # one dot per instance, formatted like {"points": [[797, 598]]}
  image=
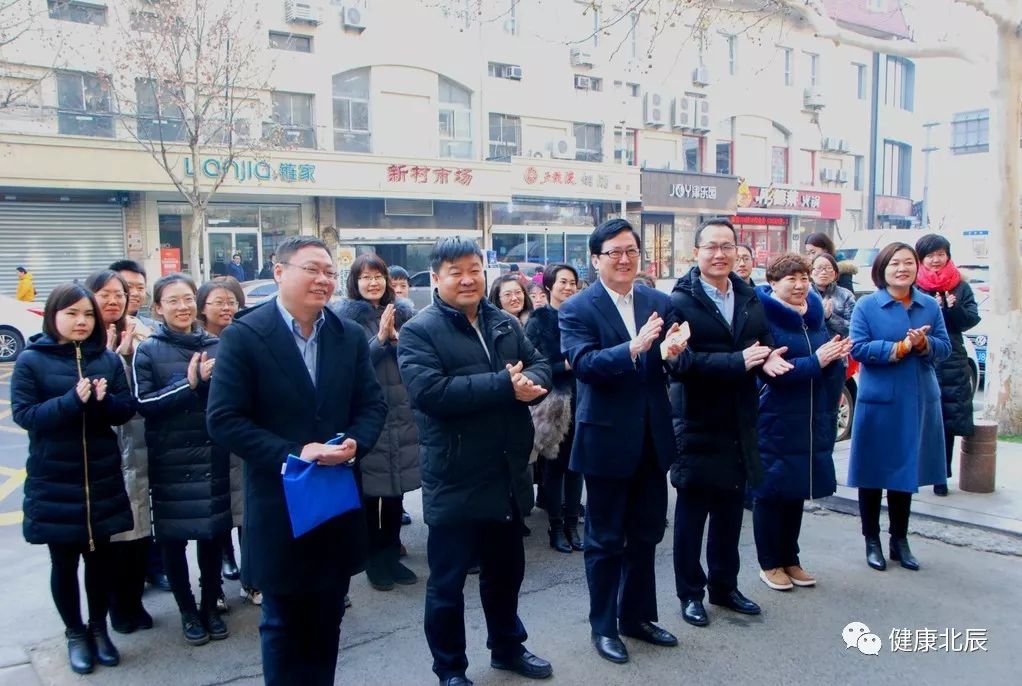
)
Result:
{"points": [[188, 473], [67, 391], [508, 294], [391, 468]]}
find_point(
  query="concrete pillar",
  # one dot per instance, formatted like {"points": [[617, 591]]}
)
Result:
{"points": [[977, 471]]}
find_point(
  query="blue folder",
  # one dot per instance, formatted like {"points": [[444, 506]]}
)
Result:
{"points": [[316, 493]]}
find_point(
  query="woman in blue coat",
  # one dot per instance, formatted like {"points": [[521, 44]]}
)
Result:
{"points": [[899, 337], [797, 420]]}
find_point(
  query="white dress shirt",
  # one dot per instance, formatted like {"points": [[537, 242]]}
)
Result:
{"points": [[625, 305]]}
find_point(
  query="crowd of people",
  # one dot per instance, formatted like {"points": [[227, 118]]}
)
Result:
{"points": [[148, 433]]}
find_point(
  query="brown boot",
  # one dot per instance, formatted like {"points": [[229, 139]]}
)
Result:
{"points": [[799, 576]]}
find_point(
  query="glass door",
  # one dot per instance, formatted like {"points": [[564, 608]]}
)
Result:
{"points": [[223, 244]]}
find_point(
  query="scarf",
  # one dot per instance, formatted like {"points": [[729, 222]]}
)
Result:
{"points": [[941, 281]]}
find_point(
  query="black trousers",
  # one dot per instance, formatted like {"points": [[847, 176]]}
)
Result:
{"points": [[899, 507], [562, 487], [299, 635], [175, 563], [451, 549], [383, 519], [64, 582], [130, 560], [949, 450], [624, 522], [724, 510], [776, 525]]}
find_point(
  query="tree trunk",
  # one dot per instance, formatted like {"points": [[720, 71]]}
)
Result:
{"points": [[1004, 364], [198, 239]]}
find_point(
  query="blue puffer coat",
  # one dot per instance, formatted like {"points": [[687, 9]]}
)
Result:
{"points": [[798, 410]]}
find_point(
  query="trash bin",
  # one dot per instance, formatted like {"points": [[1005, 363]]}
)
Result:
{"points": [[978, 465]]}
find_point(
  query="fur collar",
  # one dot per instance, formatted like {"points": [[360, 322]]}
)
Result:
{"points": [[785, 317]]}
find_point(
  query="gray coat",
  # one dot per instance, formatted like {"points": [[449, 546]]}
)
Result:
{"points": [[135, 468], [237, 491], [392, 467], [843, 302]]}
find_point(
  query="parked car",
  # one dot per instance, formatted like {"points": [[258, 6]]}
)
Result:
{"points": [[19, 321], [261, 290], [978, 276]]}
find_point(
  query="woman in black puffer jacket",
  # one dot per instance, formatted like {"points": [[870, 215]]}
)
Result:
{"points": [[68, 391], [189, 475]]}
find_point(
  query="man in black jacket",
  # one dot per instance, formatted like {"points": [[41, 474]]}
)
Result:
{"points": [[471, 374], [715, 407], [289, 376]]}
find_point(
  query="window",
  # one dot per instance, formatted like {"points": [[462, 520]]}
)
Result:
{"points": [[589, 142], [860, 80], [732, 55], [970, 132], [896, 169], [83, 105], [597, 26], [627, 88], [857, 180], [588, 83], [789, 59], [899, 85], [633, 36], [692, 153], [502, 70], [505, 136], [778, 164], [295, 42], [455, 117], [724, 157], [79, 12], [627, 149], [292, 121], [159, 116], [813, 66], [146, 20], [351, 111]]}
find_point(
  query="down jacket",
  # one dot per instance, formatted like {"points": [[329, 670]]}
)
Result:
{"points": [[189, 475], [552, 418], [798, 410], [65, 435], [392, 467], [842, 303]]}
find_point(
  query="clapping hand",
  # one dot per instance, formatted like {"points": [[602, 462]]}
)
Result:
{"points": [[111, 337], [526, 389], [775, 364], [916, 337], [100, 386], [193, 371], [834, 349], [755, 355], [676, 342], [647, 335], [950, 299], [828, 307], [388, 331], [205, 367], [127, 339], [84, 389]]}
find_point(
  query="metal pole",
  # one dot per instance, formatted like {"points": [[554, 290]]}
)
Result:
{"points": [[925, 218]]}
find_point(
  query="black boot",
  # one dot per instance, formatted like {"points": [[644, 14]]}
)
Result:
{"points": [[398, 572], [193, 629], [571, 533], [214, 624], [900, 552], [377, 571], [875, 554], [79, 651], [557, 539], [229, 566], [106, 651]]}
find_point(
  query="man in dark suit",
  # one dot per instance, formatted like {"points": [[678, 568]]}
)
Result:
{"points": [[611, 334], [471, 374], [289, 376]]}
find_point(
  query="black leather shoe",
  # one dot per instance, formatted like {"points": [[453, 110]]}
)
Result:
{"points": [[228, 567], [875, 554], [456, 681], [900, 552], [122, 622], [649, 632], [611, 648], [940, 489], [526, 664], [159, 581], [215, 625], [558, 541], [406, 518], [105, 650], [80, 652], [574, 540], [693, 612], [737, 602], [195, 633]]}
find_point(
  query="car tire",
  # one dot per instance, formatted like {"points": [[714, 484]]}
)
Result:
{"points": [[973, 378], [11, 344], [845, 413]]}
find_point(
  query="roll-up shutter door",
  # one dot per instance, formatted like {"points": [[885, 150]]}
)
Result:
{"points": [[57, 243]]}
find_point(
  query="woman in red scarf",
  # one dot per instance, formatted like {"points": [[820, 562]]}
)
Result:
{"points": [[939, 277]]}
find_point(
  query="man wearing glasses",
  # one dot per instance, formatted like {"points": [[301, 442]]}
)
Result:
{"points": [[289, 377], [715, 406], [611, 334]]}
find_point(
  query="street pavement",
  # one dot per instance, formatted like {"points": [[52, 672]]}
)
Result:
{"points": [[970, 581]]}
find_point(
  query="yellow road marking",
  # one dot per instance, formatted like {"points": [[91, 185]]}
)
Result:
{"points": [[15, 477], [4, 414], [11, 518], [4, 402], [12, 430]]}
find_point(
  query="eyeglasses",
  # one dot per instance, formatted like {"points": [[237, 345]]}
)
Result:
{"points": [[111, 295], [313, 272], [742, 259], [712, 248], [187, 301], [373, 278], [616, 255], [511, 295], [824, 269], [224, 303]]}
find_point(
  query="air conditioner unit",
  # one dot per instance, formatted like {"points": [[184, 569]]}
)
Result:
{"points": [[653, 105], [701, 114], [562, 149], [813, 99], [354, 17], [842, 145], [829, 143], [683, 114], [701, 76], [828, 175], [842, 176], [300, 13], [513, 71], [582, 82], [537, 153], [581, 58]]}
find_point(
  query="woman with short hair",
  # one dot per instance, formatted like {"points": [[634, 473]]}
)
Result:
{"points": [[838, 302], [508, 294]]}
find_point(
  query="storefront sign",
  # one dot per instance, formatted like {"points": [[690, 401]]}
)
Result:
{"points": [[790, 201], [573, 180], [759, 220], [415, 173], [260, 170], [170, 260], [568, 177], [703, 192]]}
